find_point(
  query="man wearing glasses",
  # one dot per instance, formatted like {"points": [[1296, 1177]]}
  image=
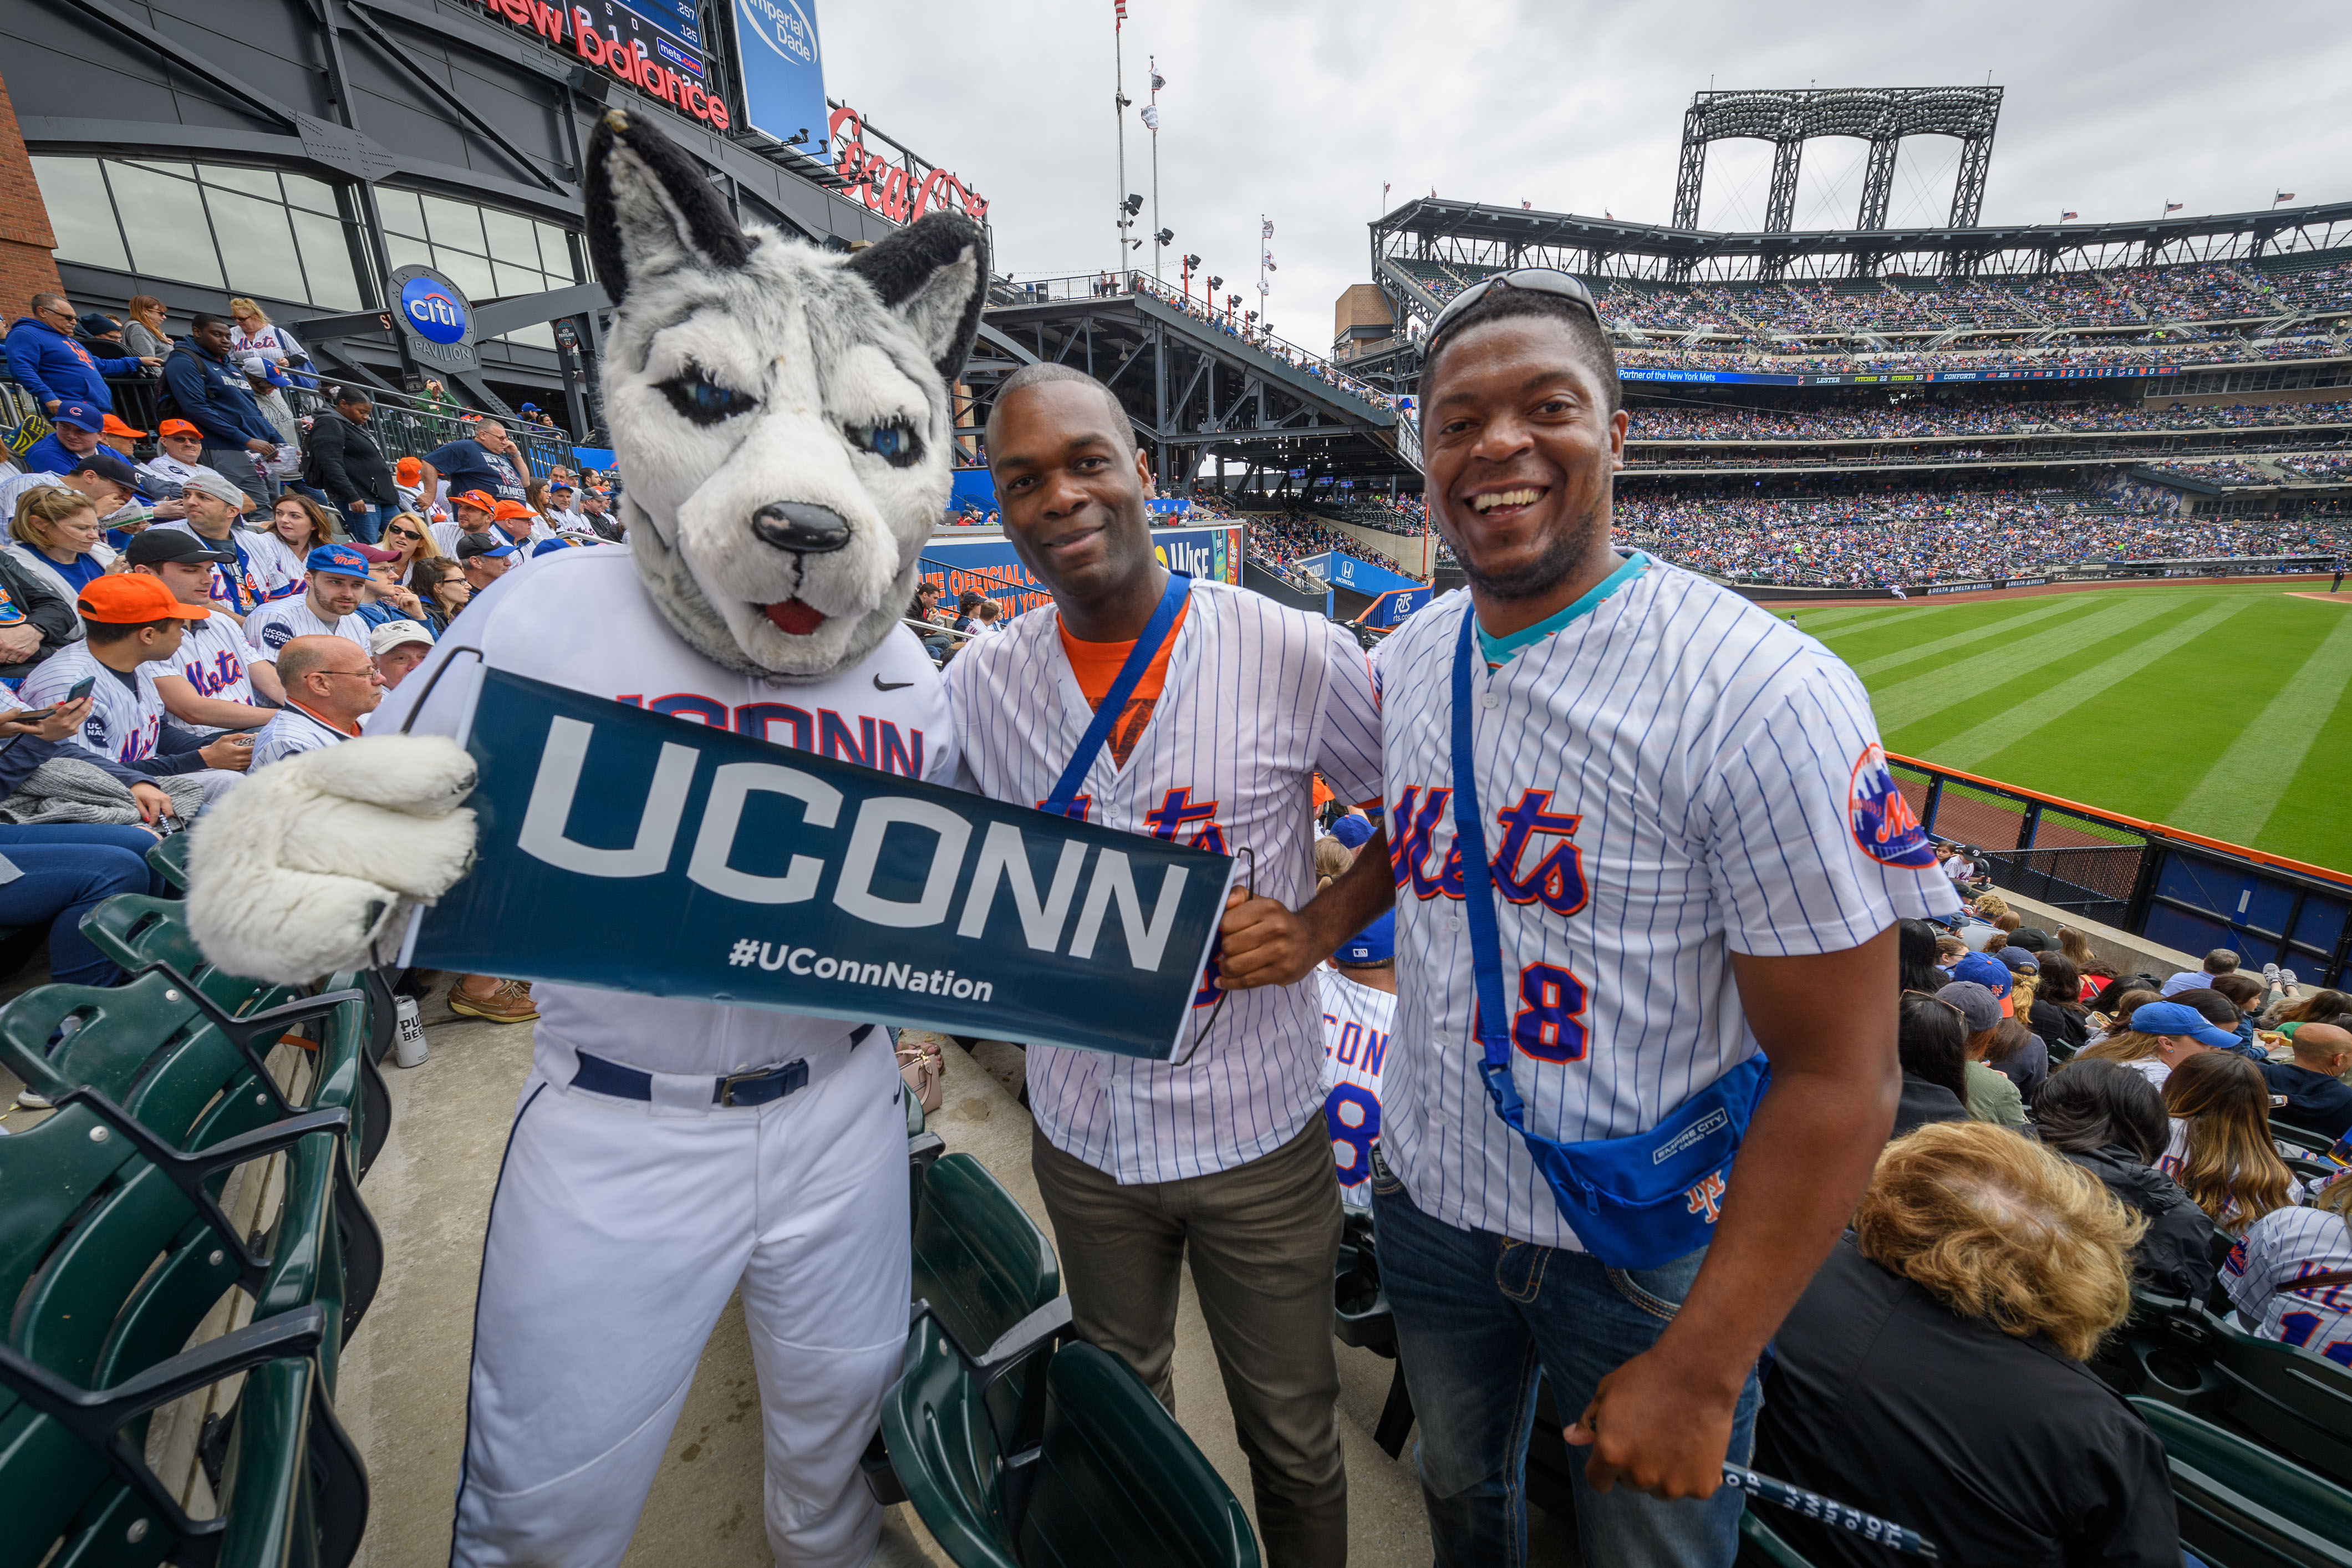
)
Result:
{"points": [[1685, 837], [48, 364], [331, 685]]}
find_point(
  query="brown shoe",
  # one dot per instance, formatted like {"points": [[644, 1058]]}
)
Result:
{"points": [[509, 1003]]}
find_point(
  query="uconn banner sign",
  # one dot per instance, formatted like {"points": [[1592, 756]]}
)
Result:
{"points": [[629, 851]]}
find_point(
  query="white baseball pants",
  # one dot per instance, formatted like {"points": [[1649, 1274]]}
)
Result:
{"points": [[616, 1235]]}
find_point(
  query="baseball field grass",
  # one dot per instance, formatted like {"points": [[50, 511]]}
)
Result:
{"points": [[2223, 710]]}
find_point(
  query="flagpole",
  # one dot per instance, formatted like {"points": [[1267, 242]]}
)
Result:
{"points": [[1118, 111], [1154, 68]]}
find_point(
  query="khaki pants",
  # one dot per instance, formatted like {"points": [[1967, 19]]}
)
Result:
{"points": [[1262, 1238]]}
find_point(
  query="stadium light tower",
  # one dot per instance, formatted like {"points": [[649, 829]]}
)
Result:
{"points": [[1151, 120], [1119, 101]]}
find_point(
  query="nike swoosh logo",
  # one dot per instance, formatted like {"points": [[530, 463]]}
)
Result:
{"points": [[882, 684]]}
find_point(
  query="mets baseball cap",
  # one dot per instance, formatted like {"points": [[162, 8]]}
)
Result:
{"points": [[506, 511], [336, 561], [1985, 971], [158, 544], [479, 501], [1351, 830], [548, 546], [178, 427], [132, 599], [117, 428], [2018, 961], [392, 633], [408, 470], [561, 485], [81, 417], [1979, 1009], [1376, 943], [107, 466], [473, 544], [2173, 1018]]}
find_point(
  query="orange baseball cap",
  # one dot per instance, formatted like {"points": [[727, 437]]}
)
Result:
{"points": [[508, 509], [408, 470], [479, 499], [177, 427], [117, 428], [133, 599]]}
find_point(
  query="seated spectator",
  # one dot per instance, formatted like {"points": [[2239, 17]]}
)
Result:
{"points": [[2220, 960], [252, 580], [36, 620], [75, 433], [1950, 950], [2057, 1014], [56, 370], [604, 524], [214, 395], [2020, 1055], [1931, 1044], [331, 686], [2317, 1099], [398, 647], [57, 537], [1932, 1371], [519, 526], [2120, 1000], [408, 483], [443, 588], [2024, 977], [2111, 1122], [1986, 970], [1915, 957], [2319, 1007], [133, 621], [2286, 1275], [984, 616], [2220, 1150], [208, 686], [329, 605], [410, 540], [2244, 991], [2162, 1036], [484, 558], [2222, 1013], [297, 526], [2032, 939], [388, 598], [469, 512], [1990, 1097]]}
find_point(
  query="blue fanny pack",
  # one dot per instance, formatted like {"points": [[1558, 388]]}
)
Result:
{"points": [[1636, 1202]]}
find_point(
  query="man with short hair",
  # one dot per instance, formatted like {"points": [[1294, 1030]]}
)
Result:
{"points": [[329, 605], [485, 558], [75, 429], [605, 524], [132, 621], [484, 460], [245, 581], [398, 647], [2316, 1096], [208, 684], [179, 460], [1610, 784], [563, 511], [47, 363], [1992, 1096], [214, 396], [1235, 703], [2218, 962], [331, 686]]}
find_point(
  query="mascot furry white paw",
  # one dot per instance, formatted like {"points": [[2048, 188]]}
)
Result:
{"points": [[783, 426]]}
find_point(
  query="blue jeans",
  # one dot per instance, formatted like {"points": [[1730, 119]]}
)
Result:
{"points": [[366, 525], [1478, 1316], [66, 872]]}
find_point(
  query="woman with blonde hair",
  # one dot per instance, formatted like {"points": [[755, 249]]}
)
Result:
{"points": [[297, 526], [1332, 860], [257, 334], [1945, 1339], [56, 533], [411, 537], [2220, 1151]]}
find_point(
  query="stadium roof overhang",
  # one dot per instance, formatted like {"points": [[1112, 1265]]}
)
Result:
{"points": [[1431, 218]]}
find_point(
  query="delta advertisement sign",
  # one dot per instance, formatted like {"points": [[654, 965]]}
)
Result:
{"points": [[628, 60]]}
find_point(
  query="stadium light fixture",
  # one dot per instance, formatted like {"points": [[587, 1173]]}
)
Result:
{"points": [[1165, 237], [1133, 204]]}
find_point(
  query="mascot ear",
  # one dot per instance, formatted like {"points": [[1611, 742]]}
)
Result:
{"points": [[934, 274], [650, 209]]}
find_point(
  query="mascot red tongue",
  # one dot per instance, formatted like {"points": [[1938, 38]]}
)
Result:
{"points": [[784, 433]]}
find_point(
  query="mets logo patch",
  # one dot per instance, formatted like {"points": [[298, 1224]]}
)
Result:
{"points": [[1882, 821]]}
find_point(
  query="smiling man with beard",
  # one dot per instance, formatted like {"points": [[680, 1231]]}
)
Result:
{"points": [[1192, 711], [1682, 804]]}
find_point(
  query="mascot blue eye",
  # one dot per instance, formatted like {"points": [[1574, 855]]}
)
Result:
{"points": [[895, 443], [703, 400]]}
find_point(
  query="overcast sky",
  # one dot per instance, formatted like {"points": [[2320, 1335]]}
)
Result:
{"points": [[1301, 110]]}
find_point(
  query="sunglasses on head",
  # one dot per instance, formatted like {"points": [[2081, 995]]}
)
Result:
{"points": [[1538, 280]]}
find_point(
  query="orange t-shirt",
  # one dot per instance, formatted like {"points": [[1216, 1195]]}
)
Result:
{"points": [[1098, 664]]}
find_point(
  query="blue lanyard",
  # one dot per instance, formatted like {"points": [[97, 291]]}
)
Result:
{"points": [[1130, 675], [1477, 894]]}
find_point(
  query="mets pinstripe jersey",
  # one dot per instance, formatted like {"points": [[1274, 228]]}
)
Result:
{"points": [[126, 716], [1356, 1020], [214, 658], [272, 626], [2279, 1249], [254, 580], [1257, 697], [1670, 776]]}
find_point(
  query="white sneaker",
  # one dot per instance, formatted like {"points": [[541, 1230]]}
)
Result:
{"points": [[2270, 975], [2287, 975]]}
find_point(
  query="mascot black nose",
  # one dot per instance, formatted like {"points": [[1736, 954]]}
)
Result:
{"points": [[803, 528]]}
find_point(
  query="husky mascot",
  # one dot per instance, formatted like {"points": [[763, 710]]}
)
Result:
{"points": [[782, 420]]}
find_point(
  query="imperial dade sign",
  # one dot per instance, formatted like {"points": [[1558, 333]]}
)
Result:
{"points": [[714, 867]]}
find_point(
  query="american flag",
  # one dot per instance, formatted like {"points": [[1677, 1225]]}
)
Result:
{"points": [[2065, 216], [1121, 6], [2282, 197], [2172, 206]]}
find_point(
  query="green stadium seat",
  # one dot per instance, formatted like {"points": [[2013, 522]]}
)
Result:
{"points": [[1761, 1547], [136, 932], [2291, 1138], [1112, 1477], [2287, 1400], [169, 860], [2242, 1507]]}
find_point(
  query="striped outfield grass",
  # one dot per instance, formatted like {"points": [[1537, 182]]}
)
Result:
{"points": [[2226, 711]]}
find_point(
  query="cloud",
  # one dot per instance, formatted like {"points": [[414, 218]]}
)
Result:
{"points": [[1300, 110]]}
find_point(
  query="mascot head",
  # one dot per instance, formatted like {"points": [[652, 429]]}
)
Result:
{"points": [[781, 414]]}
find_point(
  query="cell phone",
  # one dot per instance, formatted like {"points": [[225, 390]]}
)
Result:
{"points": [[80, 691]]}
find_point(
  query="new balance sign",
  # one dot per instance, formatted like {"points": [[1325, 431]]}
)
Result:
{"points": [[712, 866]]}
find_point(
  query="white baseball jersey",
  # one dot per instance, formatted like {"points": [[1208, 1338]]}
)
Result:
{"points": [[255, 579], [272, 626], [581, 619], [1357, 1019], [214, 658], [285, 569], [292, 730], [1670, 775], [126, 714], [2282, 1247], [1256, 699]]}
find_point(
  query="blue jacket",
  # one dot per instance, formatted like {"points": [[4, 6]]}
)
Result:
{"points": [[51, 365], [48, 455], [215, 398]]}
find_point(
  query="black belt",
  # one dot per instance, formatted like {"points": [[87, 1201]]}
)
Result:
{"points": [[598, 1076]]}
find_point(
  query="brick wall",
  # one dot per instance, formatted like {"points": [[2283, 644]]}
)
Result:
{"points": [[26, 266]]}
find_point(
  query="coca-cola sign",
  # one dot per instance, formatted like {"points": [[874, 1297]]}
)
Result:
{"points": [[895, 183]]}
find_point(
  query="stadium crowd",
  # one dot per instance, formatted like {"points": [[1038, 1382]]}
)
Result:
{"points": [[1923, 417]]}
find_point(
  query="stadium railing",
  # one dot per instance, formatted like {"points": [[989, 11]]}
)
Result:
{"points": [[2176, 888]]}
